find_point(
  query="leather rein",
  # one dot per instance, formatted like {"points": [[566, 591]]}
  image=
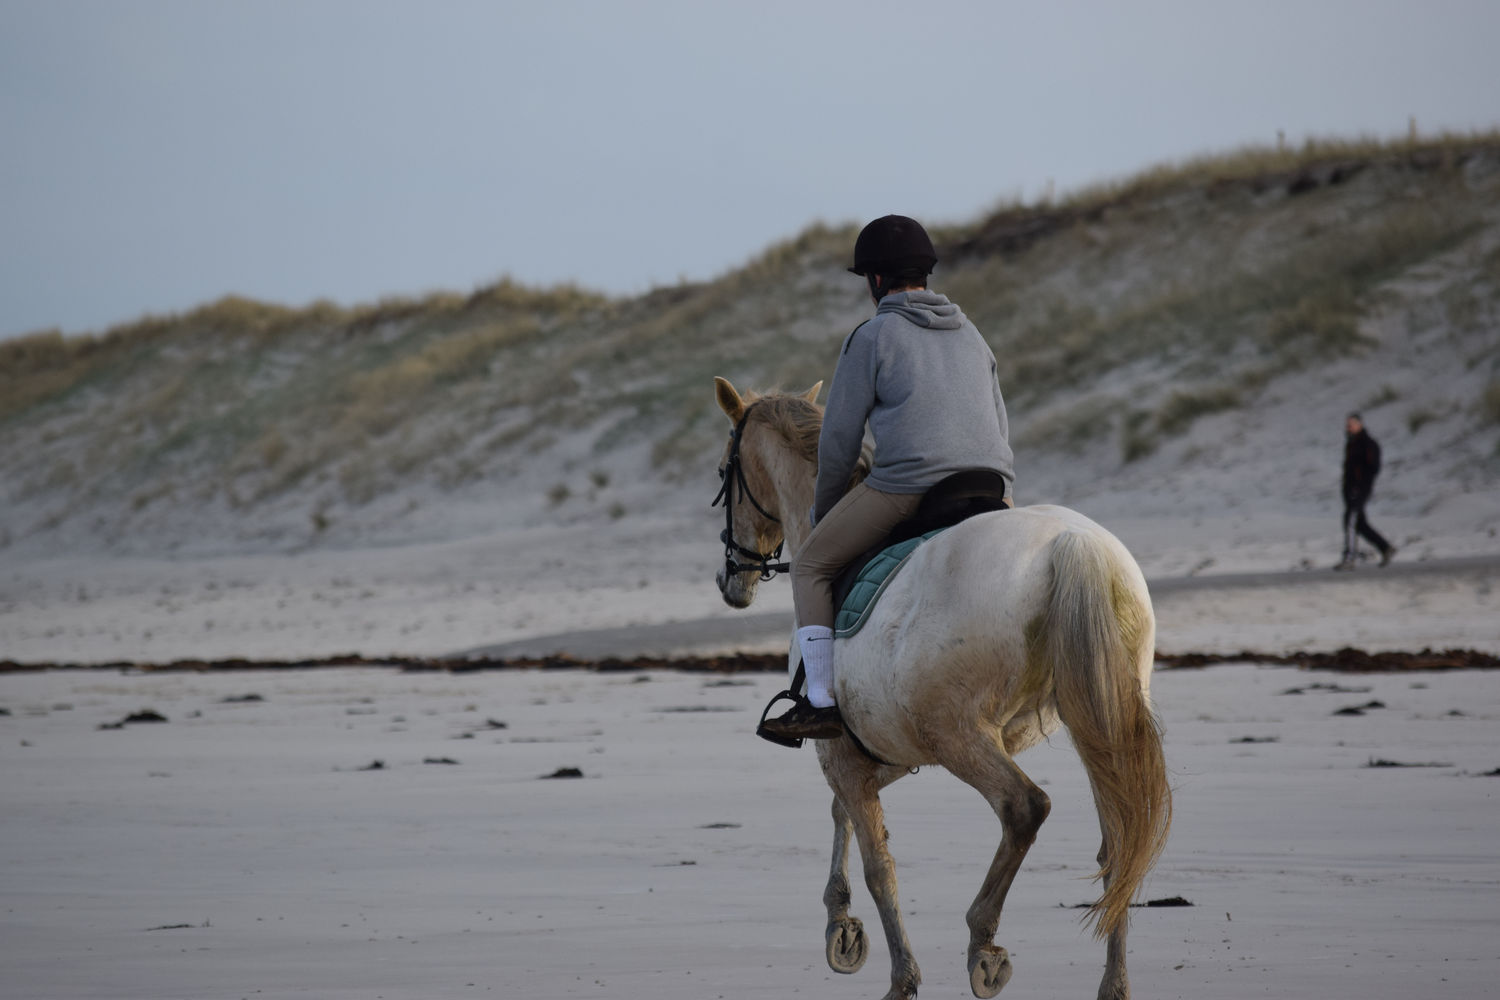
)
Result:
{"points": [[767, 564]]}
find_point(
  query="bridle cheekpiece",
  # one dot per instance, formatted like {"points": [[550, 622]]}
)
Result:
{"points": [[767, 564]]}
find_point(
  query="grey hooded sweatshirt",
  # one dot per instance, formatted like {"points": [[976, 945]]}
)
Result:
{"points": [[924, 379]]}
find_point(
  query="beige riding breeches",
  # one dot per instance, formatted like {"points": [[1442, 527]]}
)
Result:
{"points": [[861, 519]]}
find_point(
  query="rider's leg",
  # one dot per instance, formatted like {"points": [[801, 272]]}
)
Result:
{"points": [[861, 519]]}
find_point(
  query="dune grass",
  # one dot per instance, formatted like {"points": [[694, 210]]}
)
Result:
{"points": [[1269, 314], [1265, 164], [1133, 301], [41, 366]]}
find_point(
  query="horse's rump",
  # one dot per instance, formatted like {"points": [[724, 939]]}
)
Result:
{"points": [[949, 637]]}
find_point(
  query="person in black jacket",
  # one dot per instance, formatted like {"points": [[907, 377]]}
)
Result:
{"points": [[1361, 465]]}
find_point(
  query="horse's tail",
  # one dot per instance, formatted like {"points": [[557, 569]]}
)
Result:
{"points": [[1099, 625]]}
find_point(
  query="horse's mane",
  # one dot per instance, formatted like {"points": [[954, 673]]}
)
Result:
{"points": [[799, 423]]}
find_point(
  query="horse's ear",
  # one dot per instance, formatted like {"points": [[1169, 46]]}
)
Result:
{"points": [[811, 395], [729, 399]]}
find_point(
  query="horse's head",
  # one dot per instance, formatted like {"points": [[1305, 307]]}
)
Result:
{"points": [[753, 533]]}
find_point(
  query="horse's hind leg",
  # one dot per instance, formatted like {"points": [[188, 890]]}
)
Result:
{"points": [[1115, 985], [856, 783], [1022, 807]]}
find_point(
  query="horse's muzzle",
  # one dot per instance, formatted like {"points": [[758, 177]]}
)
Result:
{"points": [[737, 589]]}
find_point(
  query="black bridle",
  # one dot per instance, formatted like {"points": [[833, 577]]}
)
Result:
{"points": [[767, 564]]}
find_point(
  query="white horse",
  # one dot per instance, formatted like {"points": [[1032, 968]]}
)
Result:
{"points": [[990, 634]]}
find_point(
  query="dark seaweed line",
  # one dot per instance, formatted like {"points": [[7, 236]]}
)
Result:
{"points": [[1344, 660]]}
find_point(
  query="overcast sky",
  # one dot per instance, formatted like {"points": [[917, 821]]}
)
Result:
{"points": [[158, 154]]}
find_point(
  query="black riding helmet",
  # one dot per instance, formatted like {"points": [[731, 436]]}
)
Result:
{"points": [[893, 244]]}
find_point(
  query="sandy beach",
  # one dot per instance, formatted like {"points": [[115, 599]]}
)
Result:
{"points": [[372, 833], [249, 846]]}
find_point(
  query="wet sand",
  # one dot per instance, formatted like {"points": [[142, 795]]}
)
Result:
{"points": [[248, 846]]}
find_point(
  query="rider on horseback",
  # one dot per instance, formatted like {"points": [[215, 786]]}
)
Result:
{"points": [[922, 377]]}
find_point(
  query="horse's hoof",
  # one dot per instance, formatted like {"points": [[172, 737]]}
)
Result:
{"points": [[848, 947], [989, 971]]}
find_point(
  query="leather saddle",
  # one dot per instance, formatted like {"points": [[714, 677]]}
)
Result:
{"points": [[951, 500]]}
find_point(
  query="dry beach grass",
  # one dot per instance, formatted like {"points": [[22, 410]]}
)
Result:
{"points": [[1135, 325]]}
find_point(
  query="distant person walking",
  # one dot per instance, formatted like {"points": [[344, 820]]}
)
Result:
{"points": [[1361, 466]]}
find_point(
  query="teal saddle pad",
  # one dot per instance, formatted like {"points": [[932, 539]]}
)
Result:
{"points": [[871, 582]]}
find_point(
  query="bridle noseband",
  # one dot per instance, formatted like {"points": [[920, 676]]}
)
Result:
{"points": [[765, 563]]}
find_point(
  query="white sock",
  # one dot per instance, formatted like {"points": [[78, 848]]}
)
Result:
{"points": [[816, 642]]}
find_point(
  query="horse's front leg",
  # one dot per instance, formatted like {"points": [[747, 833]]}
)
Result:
{"points": [[847, 945], [1021, 807], [856, 783]]}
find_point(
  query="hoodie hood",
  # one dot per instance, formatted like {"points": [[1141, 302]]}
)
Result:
{"points": [[923, 308]]}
